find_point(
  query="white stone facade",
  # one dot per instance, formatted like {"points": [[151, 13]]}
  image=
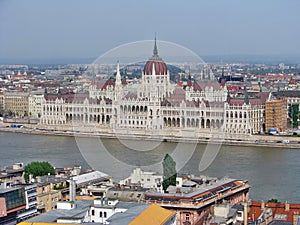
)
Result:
{"points": [[154, 106], [150, 180], [35, 105]]}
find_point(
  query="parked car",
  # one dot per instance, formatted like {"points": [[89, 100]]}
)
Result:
{"points": [[286, 141]]}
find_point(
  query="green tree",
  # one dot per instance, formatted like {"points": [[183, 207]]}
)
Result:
{"points": [[38, 169], [294, 115], [169, 172], [273, 200]]}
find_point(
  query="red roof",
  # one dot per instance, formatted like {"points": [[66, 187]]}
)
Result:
{"points": [[208, 83], [103, 85], [159, 65], [281, 211]]}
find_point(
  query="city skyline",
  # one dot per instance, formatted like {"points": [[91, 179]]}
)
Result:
{"points": [[34, 31]]}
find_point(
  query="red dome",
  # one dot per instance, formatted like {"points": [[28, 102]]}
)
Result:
{"points": [[159, 65]]}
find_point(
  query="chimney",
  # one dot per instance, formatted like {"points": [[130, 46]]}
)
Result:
{"points": [[72, 190], [295, 218], [287, 206], [262, 206], [245, 213], [30, 178]]}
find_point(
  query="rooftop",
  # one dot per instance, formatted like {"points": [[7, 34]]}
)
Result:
{"points": [[51, 217], [87, 177]]}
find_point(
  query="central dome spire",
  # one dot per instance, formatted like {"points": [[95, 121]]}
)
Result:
{"points": [[155, 52], [155, 62]]}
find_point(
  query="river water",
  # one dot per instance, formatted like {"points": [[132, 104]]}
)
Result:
{"points": [[271, 172]]}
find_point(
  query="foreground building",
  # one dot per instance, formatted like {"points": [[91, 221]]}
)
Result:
{"points": [[261, 213], [193, 204], [105, 211], [17, 203], [155, 107]]}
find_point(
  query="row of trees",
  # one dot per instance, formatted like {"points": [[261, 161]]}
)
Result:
{"points": [[294, 115]]}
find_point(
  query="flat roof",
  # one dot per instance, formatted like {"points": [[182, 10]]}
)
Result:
{"points": [[86, 177], [81, 208]]}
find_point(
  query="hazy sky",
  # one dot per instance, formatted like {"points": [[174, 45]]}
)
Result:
{"points": [[36, 29]]}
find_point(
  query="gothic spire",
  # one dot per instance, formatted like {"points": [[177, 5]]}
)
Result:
{"points": [[118, 75], [155, 52], [246, 97]]}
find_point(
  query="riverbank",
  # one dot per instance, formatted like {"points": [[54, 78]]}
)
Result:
{"points": [[253, 140]]}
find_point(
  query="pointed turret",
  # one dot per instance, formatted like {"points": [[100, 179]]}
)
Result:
{"points": [[118, 83], [118, 76]]}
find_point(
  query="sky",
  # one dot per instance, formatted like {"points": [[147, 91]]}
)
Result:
{"points": [[35, 30]]}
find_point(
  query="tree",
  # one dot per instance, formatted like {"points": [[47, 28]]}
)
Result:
{"points": [[294, 115], [273, 200], [38, 169], [169, 172]]}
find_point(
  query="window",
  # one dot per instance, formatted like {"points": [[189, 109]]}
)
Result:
{"points": [[105, 215], [100, 214], [93, 212], [187, 217]]}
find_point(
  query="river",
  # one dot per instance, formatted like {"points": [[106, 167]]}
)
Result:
{"points": [[271, 172]]}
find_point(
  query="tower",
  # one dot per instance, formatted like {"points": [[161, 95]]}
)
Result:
{"points": [[118, 83], [155, 75]]}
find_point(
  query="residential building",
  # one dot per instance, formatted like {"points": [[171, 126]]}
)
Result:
{"points": [[31, 203], [16, 103], [144, 179], [276, 115], [12, 200], [35, 104], [13, 174], [49, 192], [261, 213], [193, 204]]}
